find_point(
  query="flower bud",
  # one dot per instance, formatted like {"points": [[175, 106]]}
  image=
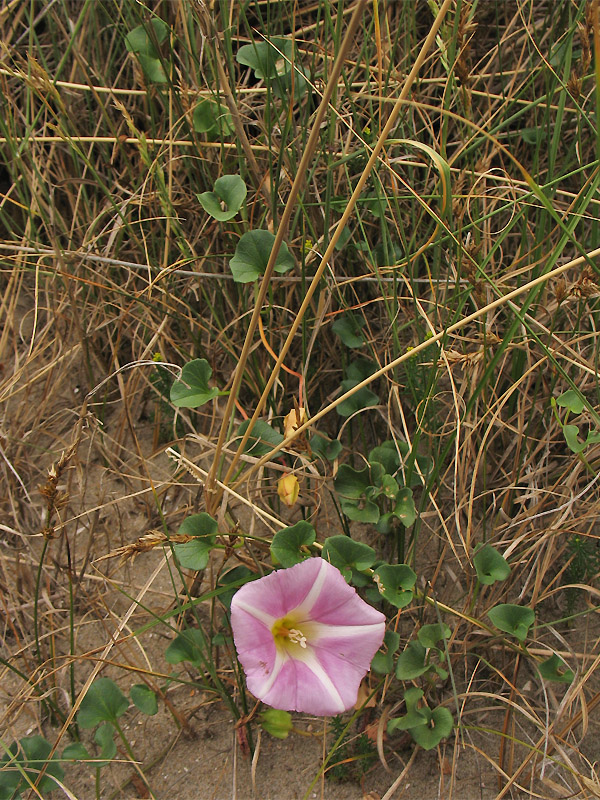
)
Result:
{"points": [[288, 488]]}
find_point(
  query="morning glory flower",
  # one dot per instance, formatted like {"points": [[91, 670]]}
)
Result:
{"points": [[305, 638]]}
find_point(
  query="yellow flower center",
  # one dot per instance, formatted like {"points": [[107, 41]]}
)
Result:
{"points": [[285, 634]]}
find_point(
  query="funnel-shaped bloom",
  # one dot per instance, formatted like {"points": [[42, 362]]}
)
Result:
{"points": [[305, 638]]}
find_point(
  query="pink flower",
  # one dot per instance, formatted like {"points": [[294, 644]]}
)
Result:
{"points": [[305, 638]]}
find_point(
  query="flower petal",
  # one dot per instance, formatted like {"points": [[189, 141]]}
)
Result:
{"points": [[332, 601], [255, 647], [355, 644], [281, 591], [305, 686]]}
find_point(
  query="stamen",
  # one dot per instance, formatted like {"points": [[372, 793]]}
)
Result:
{"points": [[297, 637]]}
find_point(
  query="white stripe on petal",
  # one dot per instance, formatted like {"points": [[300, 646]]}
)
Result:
{"points": [[280, 659], [309, 658], [261, 616], [306, 606], [320, 631]]}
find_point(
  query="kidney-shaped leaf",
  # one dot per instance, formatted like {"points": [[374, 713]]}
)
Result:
{"points": [[512, 619], [360, 511], [350, 482], [348, 328], [144, 698], [210, 117], [226, 198], [430, 635], [105, 739], [396, 582], [262, 438], [405, 507], [490, 565], [267, 59], [193, 390], [571, 433], [346, 554], [414, 716], [139, 40], [188, 645], [29, 756], [438, 726], [383, 660], [252, 256], [195, 553], [571, 400], [387, 455], [287, 544], [411, 662], [555, 669], [103, 702]]}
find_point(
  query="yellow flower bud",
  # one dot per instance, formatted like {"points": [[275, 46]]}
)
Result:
{"points": [[288, 488]]}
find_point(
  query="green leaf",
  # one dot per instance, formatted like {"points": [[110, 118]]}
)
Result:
{"points": [[438, 726], [325, 448], [195, 553], [276, 722], [226, 198], [571, 433], [75, 752], [193, 390], [10, 776], [348, 328], [266, 59], [512, 619], [144, 698], [188, 645], [384, 524], [389, 487], [139, 40], [387, 455], [405, 507], [105, 739], [262, 439], [153, 69], [104, 702], [490, 565], [252, 256], [414, 716], [360, 579], [351, 483], [360, 511], [532, 135], [346, 554], [361, 399], [357, 371], [210, 117], [272, 61], [396, 582], [430, 635], [555, 669], [286, 547], [31, 754], [571, 400], [411, 663], [383, 660]]}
